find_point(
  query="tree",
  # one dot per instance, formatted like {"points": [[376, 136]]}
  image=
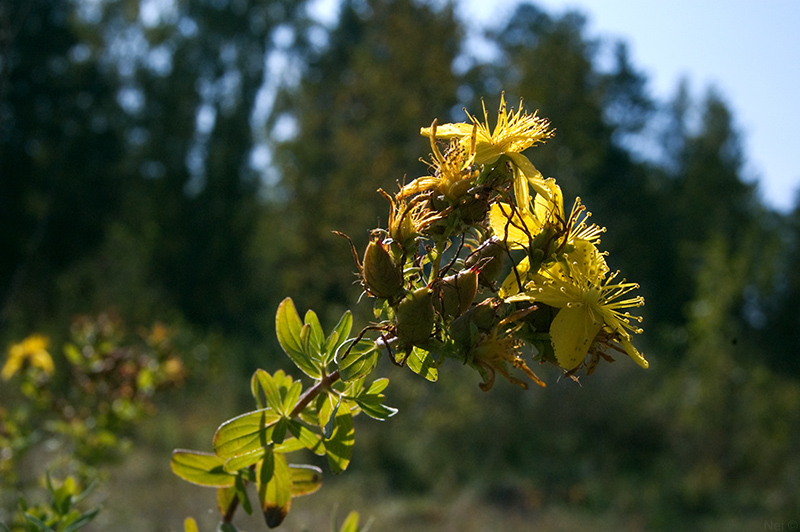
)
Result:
{"points": [[374, 82]]}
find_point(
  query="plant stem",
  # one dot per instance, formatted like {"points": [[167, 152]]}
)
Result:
{"points": [[312, 392], [302, 402]]}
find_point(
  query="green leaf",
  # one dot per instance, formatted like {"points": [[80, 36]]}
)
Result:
{"points": [[274, 484], [241, 493], [306, 479], [203, 469], [351, 523], [271, 391], [359, 362], [371, 400], [292, 395], [422, 363], [317, 337], [83, 520], [245, 433], [254, 390], [330, 424], [42, 526], [288, 328], [339, 446], [232, 465], [338, 336], [279, 432], [225, 497], [307, 437], [378, 410]]}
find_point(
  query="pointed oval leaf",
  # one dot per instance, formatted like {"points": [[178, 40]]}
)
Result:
{"points": [[377, 386], [203, 469], [308, 438], [306, 479], [270, 388], [317, 335], [338, 336], [292, 395], [274, 484], [83, 520], [422, 363], [339, 446], [245, 433], [232, 465], [289, 331], [378, 410], [359, 362], [350, 523], [225, 497]]}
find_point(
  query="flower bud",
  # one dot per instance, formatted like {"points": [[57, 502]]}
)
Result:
{"points": [[491, 255], [381, 276], [414, 315], [455, 293]]}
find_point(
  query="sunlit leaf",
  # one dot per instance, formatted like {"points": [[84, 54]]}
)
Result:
{"points": [[351, 523], [422, 363], [288, 328], [339, 445], [338, 336], [245, 433], [270, 389], [306, 479], [292, 395], [225, 497], [274, 484], [83, 520], [232, 465], [307, 437], [371, 400], [42, 526], [279, 431], [359, 362], [317, 337], [203, 469], [241, 493]]}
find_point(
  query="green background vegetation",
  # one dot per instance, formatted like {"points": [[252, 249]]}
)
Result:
{"points": [[141, 171]]}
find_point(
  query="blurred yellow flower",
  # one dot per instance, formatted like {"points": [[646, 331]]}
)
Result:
{"points": [[32, 349]]}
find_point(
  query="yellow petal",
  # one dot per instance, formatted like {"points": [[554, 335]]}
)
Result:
{"points": [[572, 332], [634, 353]]}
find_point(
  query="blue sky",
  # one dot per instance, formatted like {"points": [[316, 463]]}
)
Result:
{"points": [[749, 52]]}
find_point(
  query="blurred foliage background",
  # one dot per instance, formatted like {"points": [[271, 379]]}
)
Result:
{"points": [[184, 162]]}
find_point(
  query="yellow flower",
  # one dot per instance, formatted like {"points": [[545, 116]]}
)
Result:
{"points": [[32, 349], [452, 170], [589, 301], [494, 350], [408, 217], [513, 133], [542, 231]]}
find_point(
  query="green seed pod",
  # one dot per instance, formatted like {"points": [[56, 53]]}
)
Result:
{"points": [[414, 317], [455, 293], [491, 254], [381, 276]]}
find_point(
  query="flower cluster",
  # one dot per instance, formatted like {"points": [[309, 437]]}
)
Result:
{"points": [[480, 262]]}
